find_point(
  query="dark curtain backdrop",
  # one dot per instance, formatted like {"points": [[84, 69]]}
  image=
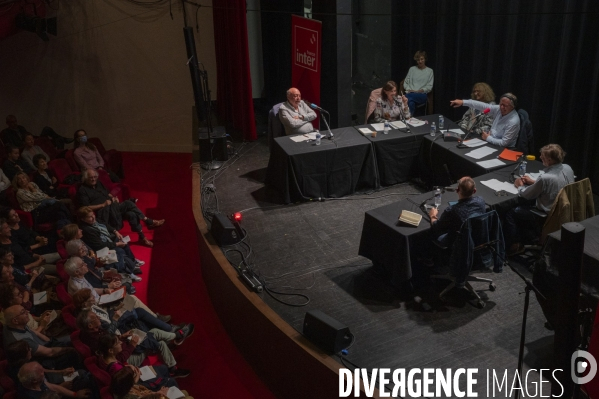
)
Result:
{"points": [[233, 79], [544, 51]]}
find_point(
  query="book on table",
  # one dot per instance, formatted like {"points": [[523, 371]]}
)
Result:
{"points": [[410, 218]]}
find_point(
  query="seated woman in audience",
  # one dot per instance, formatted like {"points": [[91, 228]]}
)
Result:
{"points": [[419, 82], [390, 106], [87, 156], [27, 238], [97, 276], [109, 348], [69, 232], [11, 295], [47, 181], [7, 277], [31, 150], [126, 384], [484, 93], [43, 208], [4, 184], [14, 163]]}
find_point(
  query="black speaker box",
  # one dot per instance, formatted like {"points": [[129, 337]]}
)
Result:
{"points": [[213, 146], [224, 231], [326, 332]]}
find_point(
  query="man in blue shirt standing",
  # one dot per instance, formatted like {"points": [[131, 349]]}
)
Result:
{"points": [[506, 122]]}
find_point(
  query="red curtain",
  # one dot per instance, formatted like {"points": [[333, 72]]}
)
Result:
{"points": [[233, 80]]}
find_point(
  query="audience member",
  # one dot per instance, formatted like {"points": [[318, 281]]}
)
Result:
{"points": [[45, 178], [471, 121], [27, 238], [14, 134], [43, 208], [30, 150], [4, 184], [295, 115], [98, 236], [91, 330], [33, 383], [126, 383], [539, 194], [7, 277], [87, 155], [390, 106], [418, 82], [110, 211], [14, 163], [506, 122]]}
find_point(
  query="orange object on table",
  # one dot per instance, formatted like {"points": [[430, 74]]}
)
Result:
{"points": [[510, 155]]}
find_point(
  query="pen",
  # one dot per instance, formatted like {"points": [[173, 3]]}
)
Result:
{"points": [[43, 296]]}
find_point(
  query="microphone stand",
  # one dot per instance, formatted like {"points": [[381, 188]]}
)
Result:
{"points": [[403, 117], [325, 122], [516, 168]]}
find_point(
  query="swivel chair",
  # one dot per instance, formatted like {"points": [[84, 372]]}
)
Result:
{"points": [[479, 232]]}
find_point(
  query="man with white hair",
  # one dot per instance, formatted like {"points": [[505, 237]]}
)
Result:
{"points": [[33, 384], [295, 115], [110, 211], [76, 268]]}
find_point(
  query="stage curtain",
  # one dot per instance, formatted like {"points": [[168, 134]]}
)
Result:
{"points": [[233, 81]]}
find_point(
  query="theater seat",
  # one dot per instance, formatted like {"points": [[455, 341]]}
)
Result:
{"points": [[275, 126], [70, 157], [45, 143], [63, 295], [60, 270], [113, 159], [68, 315], [83, 349], [102, 377], [526, 140], [61, 249], [5, 381], [105, 393]]}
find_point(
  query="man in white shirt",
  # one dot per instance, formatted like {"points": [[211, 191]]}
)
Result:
{"points": [[295, 115]]}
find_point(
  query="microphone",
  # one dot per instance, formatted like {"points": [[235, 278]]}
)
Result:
{"points": [[450, 189], [486, 111], [314, 106]]}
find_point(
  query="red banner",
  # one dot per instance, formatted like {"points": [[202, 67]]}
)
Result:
{"points": [[305, 58]]}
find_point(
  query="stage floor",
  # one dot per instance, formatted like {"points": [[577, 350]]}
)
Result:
{"points": [[311, 249]]}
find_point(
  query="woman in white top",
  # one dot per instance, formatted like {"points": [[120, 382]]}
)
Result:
{"points": [[419, 81], [43, 208]]}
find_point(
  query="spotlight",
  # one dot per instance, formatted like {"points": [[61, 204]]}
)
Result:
{"points": [[237, 216], [38, 25]]}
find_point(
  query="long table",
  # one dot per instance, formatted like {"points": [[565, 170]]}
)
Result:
{"points": [[397, 152], [435, 154], [335, 168], [387, 242]]}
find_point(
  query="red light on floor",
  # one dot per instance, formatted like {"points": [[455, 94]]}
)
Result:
{"points": [[237, 216]]}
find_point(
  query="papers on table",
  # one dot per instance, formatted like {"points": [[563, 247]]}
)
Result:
{"points": [[365, 130], [491, 163], [311, 136], [40, 297], [115, 296], [510, 155], [480, 153], [534, 176], [379, 127], [299, 138], [140, 334], [147, 373], [71, 376], [174, 393], [415, 122], [497, 185], [398, 125], [456, 131], [474, 143]]}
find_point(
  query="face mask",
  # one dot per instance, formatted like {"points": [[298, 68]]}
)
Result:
{"points": [[83, 139]]}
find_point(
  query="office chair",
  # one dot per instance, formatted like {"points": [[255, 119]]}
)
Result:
{"points": [[478, 233]]}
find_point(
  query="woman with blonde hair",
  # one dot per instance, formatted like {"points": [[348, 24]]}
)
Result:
{"points": [[484, 93]]}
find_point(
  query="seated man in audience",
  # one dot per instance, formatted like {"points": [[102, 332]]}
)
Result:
{"points": [[537, 194], [76, 268], [14, 134], [506, 122], [97, 236], [26, 237], [91, 328], [52, 354], [30, 150], [14, 163], [33, 384], [93, 194], [295, 115]]}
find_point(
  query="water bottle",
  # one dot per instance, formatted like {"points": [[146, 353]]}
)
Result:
{"points": [[522, 168], [318, 137], [433, 129], [438, 197], [441, 122], [387, 127]]}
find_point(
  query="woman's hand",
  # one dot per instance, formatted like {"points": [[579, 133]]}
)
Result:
{"points": [[107, 202], [114, 285], [404, 99], [41, 240], [456, 103], [67, 371]]}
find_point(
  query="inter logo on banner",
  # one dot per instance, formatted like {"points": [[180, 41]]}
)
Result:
{"points": [[306, 48]]}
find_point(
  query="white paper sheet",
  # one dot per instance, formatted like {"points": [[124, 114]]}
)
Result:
{"points": [[534, 176], [497, 185], [126, 239], [311, 136], [481, 152], [142, 335], [379, 127], [147, 373], [108, 298], [365, 130], [491, 163], [174, 393], [458, 131], [398, 125], [415, 122], [474, 143], [40, 297], [70, 377], [299, 139]]}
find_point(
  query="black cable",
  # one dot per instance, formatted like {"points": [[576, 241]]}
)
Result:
{"points": [[197, 24]]}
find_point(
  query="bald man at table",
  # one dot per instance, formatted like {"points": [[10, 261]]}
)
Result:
{"points": [[295, 114]]}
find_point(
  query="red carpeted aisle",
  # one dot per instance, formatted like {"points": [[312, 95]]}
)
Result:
{"points": [[172, 280]]}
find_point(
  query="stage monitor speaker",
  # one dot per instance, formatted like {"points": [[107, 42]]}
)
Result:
{"points": [[326, 332], [224, 231], [213, 147]]}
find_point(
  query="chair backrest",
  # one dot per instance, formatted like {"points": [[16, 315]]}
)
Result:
{"points": [[371, 103], [98, 143], [62, 293], [61, 169], [275, 126], [70, 157], [102, 377], [68, 315], [574, 203], [476, 231], [83, 349], [526, 140], [46, 144]]}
